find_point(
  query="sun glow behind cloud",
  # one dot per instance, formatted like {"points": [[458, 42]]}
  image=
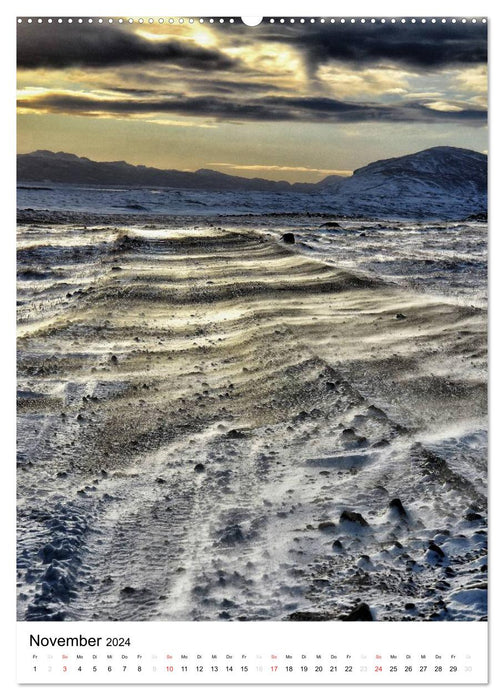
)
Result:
{"points": [[369, 81]]}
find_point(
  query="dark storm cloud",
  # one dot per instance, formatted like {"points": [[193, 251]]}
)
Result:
{"points": [[427, 46], [102, 46], [132, 92], [233, 86], [300, 109], [422, 46]]}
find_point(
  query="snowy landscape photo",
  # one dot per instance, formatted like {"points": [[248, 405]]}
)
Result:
{"points": [[252, 320]]}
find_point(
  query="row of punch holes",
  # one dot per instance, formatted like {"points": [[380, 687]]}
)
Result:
{"points": [[272, 20]]}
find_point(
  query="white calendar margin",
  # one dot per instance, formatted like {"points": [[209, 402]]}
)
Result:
{"points": [[317, 8], [217, 652]]}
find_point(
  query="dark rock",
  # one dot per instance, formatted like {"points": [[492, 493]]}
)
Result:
{"points": [[199, 468], [381, 443], [400, 317], [160, 480], [328, 525], [410, 606], [397, 508], [288, 238], [348, 434], [321, 582], [473, 516], [433, 547], [309, 616], [113, 359], [128, 590], [361, 613], [231, 535], [376, 412], [235, 434], [330, 224], [50, 553], [330, 385], [302, 415], [349, 516], [337, 545]]}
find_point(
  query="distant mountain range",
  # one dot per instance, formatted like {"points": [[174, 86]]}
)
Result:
{"points": [[49, 167], [440, 181]]}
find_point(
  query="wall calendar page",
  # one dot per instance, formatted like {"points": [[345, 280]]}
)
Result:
{"points": [[251, 349]]}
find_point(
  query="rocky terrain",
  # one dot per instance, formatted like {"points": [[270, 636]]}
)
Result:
{"points": [[215, 422]]}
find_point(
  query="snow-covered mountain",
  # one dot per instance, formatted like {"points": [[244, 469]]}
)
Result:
{"points": [[441, 181]]}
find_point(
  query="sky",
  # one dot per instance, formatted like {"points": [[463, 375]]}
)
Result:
{"points": [[284, 101]]}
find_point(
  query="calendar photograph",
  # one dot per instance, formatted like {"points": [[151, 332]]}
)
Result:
{"points": [[252, 320]]}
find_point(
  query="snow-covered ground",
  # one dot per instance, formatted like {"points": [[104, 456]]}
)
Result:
{"points": [[215, 424]]}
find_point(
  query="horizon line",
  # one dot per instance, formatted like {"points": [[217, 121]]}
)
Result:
{"points": [[328, 172]]}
